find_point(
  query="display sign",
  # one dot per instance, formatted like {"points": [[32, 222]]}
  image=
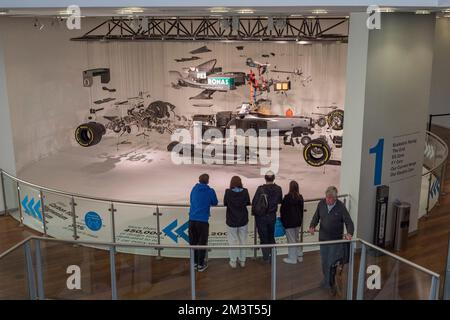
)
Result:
{"points": [[221, 81]]}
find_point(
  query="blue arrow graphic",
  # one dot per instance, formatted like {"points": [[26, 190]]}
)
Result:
{"points": [[30, 208], [24, 203], [168, 231], [36, 209], [181, 231]]}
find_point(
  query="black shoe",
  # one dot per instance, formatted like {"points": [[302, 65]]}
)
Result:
{"points": [[202, 268]]}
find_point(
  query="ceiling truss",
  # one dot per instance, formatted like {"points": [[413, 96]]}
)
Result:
{"points": [[220, 28]]}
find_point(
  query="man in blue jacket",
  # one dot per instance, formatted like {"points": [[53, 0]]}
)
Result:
{"points": [[201, 199]]}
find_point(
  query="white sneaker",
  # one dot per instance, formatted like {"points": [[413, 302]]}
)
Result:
{"points": [[242, 263], [287, 260], [300, 259], [233, 264]]}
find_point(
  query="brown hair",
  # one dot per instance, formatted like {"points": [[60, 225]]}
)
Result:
{"points": [[235, 182], [204, 178], [294, 189]]}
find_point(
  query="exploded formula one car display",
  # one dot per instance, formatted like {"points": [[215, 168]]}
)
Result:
{"points": [[295, 130]]}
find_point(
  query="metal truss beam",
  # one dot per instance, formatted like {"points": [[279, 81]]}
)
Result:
{"points": [[220, 28]]}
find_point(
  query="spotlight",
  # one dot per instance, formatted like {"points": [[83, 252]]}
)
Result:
{"points": [[304, 42], [423, 12]]}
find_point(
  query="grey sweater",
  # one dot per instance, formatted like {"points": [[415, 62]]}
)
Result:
{"points": [[332, 224]]}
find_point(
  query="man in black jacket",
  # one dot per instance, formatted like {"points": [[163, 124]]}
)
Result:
{"points": [[332, 215], [265, 222]]}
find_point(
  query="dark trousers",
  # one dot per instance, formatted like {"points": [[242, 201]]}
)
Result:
{"points": [[329, 255], [266, 232], [198, 235]]}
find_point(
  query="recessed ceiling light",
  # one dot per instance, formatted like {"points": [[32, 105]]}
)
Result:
{"points": [[219, 10], [296, 15], [311, 17], [423, 12], [304, 42], [320, 11], [386, 10], [130, 10], [245, 11]]}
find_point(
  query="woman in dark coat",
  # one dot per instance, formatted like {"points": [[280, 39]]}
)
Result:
{"points": [[292, 218], [236, 200]]}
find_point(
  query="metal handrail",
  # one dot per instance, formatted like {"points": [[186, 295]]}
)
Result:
{"points": [[208, 247], [140, 203], [410, 263], [444, 158]]}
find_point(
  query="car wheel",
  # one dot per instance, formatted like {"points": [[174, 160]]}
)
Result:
{"points": [[317, 153], [89, 134]]}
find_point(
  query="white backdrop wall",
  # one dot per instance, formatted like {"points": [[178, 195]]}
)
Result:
{"points": [[47, 99], [145, 66]]}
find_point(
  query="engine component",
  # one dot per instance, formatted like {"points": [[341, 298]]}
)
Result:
{"points": [[321, 122], [305, 140], [88, 76], [89, 134], [335, 119], [223, 118], [317, 152]]}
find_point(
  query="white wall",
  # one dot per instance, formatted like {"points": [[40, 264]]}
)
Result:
{"points": [[44, 77], [440, 81], [395, 101], [7, 161]]}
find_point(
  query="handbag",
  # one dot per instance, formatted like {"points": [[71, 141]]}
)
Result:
{"points": [[279, 229]]}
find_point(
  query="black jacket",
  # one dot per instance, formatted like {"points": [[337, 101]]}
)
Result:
{"points": [[291, 211], [274, 197], [332, 223], [236, 200]]}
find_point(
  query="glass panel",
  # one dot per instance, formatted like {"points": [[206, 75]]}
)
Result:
{"points": [[58, 216], [220, 281], [174, 224], [13, 276], [138, 225], [305, 280], [93, 220], [61, 263], [147, 277], [31, 207], [310, 208], [397, 280], [12, 202]]}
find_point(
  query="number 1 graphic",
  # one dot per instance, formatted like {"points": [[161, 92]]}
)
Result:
{"points": [[378, 150]]}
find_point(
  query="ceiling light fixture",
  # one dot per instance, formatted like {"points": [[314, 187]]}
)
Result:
{"points": [[245, 11], [386, 10], [219, 10], [446, 11], [130, 10], [4, 11], [423, 12], [304, 42], [319, 11]]}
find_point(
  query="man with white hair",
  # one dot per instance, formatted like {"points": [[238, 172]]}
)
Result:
{"points": [[332, 215]]}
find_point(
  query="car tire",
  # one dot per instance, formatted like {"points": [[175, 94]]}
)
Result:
{"points": [[89, 134], [321, 122], [317, 153]]}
